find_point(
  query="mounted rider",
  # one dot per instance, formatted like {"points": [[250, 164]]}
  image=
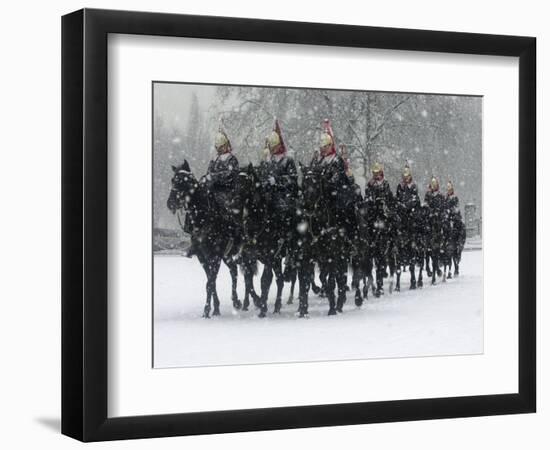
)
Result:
{"points": [[407, 199], [435, 199], [378, 194], [451, 200], [379, 201], [281, 186], [337, 182], [220, 179]]}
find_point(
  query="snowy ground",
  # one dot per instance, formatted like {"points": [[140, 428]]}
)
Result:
{"points": [[446, 319]]}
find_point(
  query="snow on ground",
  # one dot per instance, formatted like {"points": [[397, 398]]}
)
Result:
{"points": [[445, 319]]}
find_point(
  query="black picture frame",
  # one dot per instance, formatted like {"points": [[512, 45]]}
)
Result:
{"points": [[84, 224]]}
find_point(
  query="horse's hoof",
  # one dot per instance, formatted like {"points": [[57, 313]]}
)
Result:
{"points": [[420, 284], [237, 304], [397, 289], [262, 314], [439, 273], [290, 301], [245, 308], [331, 312], [216, 312], [449, 275], [358, 301], [433, 282]]}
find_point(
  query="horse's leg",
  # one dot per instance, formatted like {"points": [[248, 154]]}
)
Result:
{"points": [[330, 285], [209, 290], [380, 272], [435, 264], [456, 259], [267, 278], [420, 283], [215, 271], [304, 281], [356, 280], [397, 269], [279, 279], [412, 269], [323, 278], [342, 282], [293, 277], [234, 271]]}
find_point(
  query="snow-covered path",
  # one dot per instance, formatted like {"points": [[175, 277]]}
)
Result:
{"points": [[445, 319]]}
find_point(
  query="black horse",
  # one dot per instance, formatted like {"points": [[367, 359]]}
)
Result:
{"points": [[331, 228], [264, 237], [208, 237]]}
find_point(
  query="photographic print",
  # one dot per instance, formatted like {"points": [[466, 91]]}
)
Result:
{"points": [[301, 225]]}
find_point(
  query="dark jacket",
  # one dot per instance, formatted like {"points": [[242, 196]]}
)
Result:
{"points": [[281, 184], [406, 197], [223, 172], [221, 178], [337, 188], [379, 197]]}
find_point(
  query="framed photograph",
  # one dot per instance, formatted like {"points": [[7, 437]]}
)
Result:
{"points": [[273, 224]]}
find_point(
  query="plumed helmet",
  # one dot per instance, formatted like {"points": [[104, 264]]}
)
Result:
{"points": [[273, 140], [407, 172], [434, 184], [221, 140], [326, 140], [450, 187], [377, 167]]}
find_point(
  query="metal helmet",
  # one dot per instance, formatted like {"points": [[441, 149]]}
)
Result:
{"points": [[221, 140], [377, 168], [273, 140], [326, 140]]}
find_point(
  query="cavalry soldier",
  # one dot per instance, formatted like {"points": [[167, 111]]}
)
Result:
{"points": [[281, 185], [220, 180], [377, 192], [380, 210], [434, 198], [451, 200], [406, 196], [435, 202], [407, 204]]}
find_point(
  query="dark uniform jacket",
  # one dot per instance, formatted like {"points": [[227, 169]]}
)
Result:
{"points": [[221, 178], [379, 197], [281, 183], [406, 197]]}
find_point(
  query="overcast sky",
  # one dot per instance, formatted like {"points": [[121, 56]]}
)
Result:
{"points": [[173, 99]]}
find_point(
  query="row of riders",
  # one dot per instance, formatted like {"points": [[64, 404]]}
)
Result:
{"points": [[243, 216]]}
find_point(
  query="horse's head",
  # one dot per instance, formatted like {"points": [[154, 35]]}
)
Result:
{"points": [[184, 185]]}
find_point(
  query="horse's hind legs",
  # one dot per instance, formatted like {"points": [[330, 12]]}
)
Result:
{"points": [[233, 270], [279, 279], [292, 284]]}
